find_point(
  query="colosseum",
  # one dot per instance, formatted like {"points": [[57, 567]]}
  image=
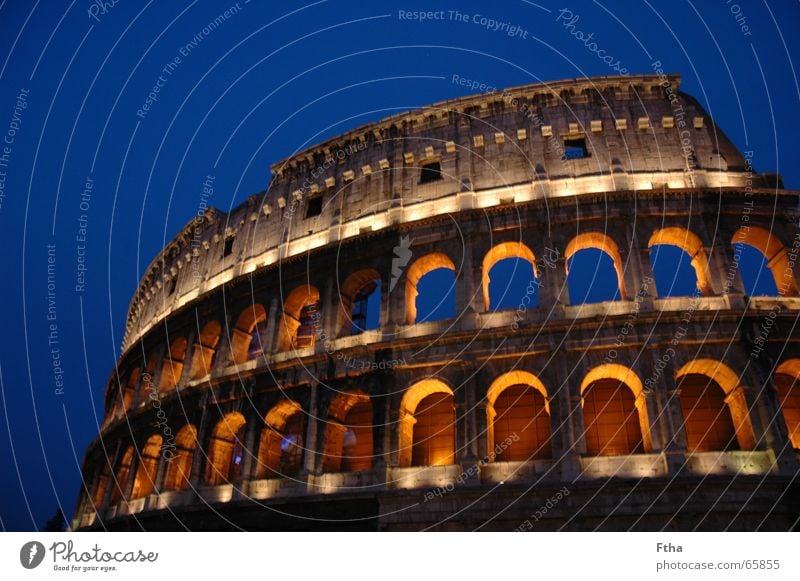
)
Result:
{"points": [[290, 365]]}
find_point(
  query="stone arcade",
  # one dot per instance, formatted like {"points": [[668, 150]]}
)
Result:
{"points": [[646, 411]]}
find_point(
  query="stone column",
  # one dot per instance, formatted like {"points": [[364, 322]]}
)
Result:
{"points": [[674, 437], [250, 459], [380, 431], [482, 440], [572, 432], [395, 302], [576, 438], [127, 490], [469, 299], [741, 402], [161, 473], [725, 274], [466, 444], [558, 440], [645, 290], [270, 341], [330, 314], [310, 456], [632, 266], [200, 354], [224, 347], [330, 438], [196, 473], [159, 359], [111, 483], [552, 279], [188, 359]]}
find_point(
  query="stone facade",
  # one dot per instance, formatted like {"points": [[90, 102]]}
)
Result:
{"points": [[224, 407]]}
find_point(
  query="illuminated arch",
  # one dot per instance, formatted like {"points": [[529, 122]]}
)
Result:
{"points": [[121, 476], [242, 334], [179, 468], [348, 433], [416, 271], [101, 486], [609, 427], [300, 319], [599, 241], [147, 384], [734, 396], [225, 450], [440, 439], [787, 383], [691, 244], [532, 431], [204, 350], [501, 252], [775, 254], [148, 467], [280, 451], [348, 292], [172, 366], [130, 389]]}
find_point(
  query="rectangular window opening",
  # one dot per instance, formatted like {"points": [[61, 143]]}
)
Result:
{"points": [[575, 149], [430, 172], [314, 207], [226, 251]]}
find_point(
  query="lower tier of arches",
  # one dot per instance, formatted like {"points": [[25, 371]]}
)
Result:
{"points": [[382, 431]]}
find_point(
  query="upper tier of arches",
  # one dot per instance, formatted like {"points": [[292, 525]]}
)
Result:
{"points": [[306, 317], [379, 175]]}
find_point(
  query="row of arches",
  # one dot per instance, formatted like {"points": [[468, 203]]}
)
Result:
{"points": [[616, 419], [430, 295], [677, 255]]}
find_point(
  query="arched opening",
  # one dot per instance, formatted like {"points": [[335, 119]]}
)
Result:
{"points": [[430, 289], [248, 337], [707, 421], [147, 384], [226, 450], [300, 320], [280, 452], [787, 383], [427, 425], [102, 485], [594, 269], [148, 467], [179, 468], [680, 265], [130, 389], [172, 367], [359, 303], [757, 279], [518, 418], [713, 403], [772, 255], [614, 412], [204, 350], [348, 433], [121, 476], [509, 270]]}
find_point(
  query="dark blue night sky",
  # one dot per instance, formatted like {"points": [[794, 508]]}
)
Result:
{"points": [[112, 117]]}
